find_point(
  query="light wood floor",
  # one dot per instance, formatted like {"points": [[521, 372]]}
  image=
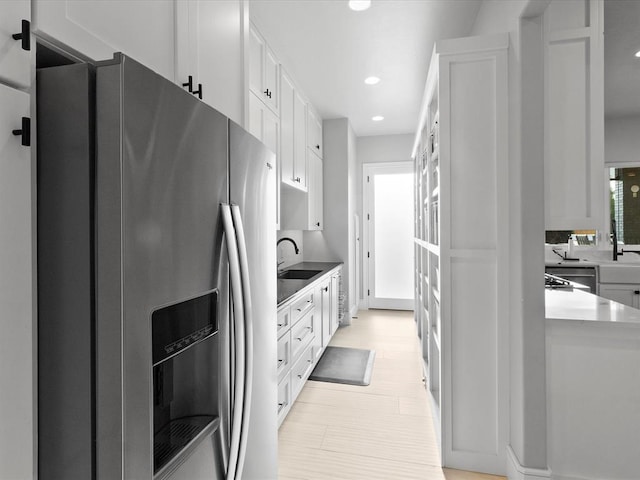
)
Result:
{"points": [[383, 431]]}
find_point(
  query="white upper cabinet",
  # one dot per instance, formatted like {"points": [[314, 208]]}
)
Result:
{"points": [[16, 321], [304, 210], [209, 53], [141, 29], [314, 132], [300, 179], [292, 121], [315, 193], [265, 126], [263, 70], [15, 42], [574, 115]]}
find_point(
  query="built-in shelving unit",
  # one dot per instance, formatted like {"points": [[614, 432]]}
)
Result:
{"points": [[461, 249]]}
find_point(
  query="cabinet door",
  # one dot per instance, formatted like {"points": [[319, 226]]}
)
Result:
{"points": [[315, 192], [16, 321], [335, 302], [287, 98], [574, 116], [99, 28], [256, 62], [271, 80], [314, 129], [264, 125], [209, 48], [300, 142], [325, 295], [271, 138], [14, 60], [621, 293]]}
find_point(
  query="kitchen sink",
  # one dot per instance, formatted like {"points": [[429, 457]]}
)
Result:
{"points": [[298, 274]]}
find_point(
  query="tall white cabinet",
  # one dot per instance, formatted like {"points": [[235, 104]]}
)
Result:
{"points": [[462, 248], [17, 434]]}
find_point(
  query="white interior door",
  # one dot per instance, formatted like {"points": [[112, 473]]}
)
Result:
{"points": [[388, 204]]}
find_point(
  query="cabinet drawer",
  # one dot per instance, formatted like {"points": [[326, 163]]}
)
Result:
{"points": [[284, 398], [302, 334], [300, 307], [284, 354], [301, 371], [284, 319]]}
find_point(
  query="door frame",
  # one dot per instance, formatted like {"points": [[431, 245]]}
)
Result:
{"points": [[368, 170]]}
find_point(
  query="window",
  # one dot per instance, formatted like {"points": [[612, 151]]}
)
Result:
{"points": [[624, 199]]}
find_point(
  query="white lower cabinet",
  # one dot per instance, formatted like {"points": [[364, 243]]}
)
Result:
{"points": [[625, 293], [302, 369], [284, 397], [284, 355], [306, 323]]}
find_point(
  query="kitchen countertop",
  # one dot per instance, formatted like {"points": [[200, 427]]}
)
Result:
{"points": [[571, 263], [288, 288], [585, 307]]}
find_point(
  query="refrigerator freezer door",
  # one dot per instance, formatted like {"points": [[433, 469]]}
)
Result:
{"points": [[252, 182], [162, 174]]}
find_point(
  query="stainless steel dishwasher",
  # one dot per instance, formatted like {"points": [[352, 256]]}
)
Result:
{"points": [[585, 275]]}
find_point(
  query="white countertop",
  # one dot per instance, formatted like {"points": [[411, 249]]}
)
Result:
{"points": [[582, 306]]}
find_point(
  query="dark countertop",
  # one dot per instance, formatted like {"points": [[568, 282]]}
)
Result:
{"points": [[288, 288]]}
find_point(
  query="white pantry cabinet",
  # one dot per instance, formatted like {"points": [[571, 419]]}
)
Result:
{"points": [[574, 115], [141, 29], [263, 70], [265, 126], [209, 53], [461, 162], [292, 120], [15, 63], [16, 282]]}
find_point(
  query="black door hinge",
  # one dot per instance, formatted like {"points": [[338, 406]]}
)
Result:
{"points": [[368, 254], [368, 293]]}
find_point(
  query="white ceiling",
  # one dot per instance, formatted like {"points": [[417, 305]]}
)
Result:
{"points": [[621, 67], [329, 50]]}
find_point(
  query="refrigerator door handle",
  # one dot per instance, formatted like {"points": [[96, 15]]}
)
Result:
{"points": [[248, 332], [240, 347]]}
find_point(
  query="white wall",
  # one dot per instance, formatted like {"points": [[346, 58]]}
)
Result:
{"points": [[622, 139], [497, 16], [376, 149], [336, 242]]}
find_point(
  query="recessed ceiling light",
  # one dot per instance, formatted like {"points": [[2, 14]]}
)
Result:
{"points": [[638, 54], [377, 118], [371, 80], [359, 5]]}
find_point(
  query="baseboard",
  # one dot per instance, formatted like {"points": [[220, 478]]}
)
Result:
{"points": [[515, 471], [354, 311]]}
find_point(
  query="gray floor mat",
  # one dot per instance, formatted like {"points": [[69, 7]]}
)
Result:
{"points": [[352, 366]]}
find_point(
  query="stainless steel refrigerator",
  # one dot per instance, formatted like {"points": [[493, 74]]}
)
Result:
{"points": [[156, 282]]}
